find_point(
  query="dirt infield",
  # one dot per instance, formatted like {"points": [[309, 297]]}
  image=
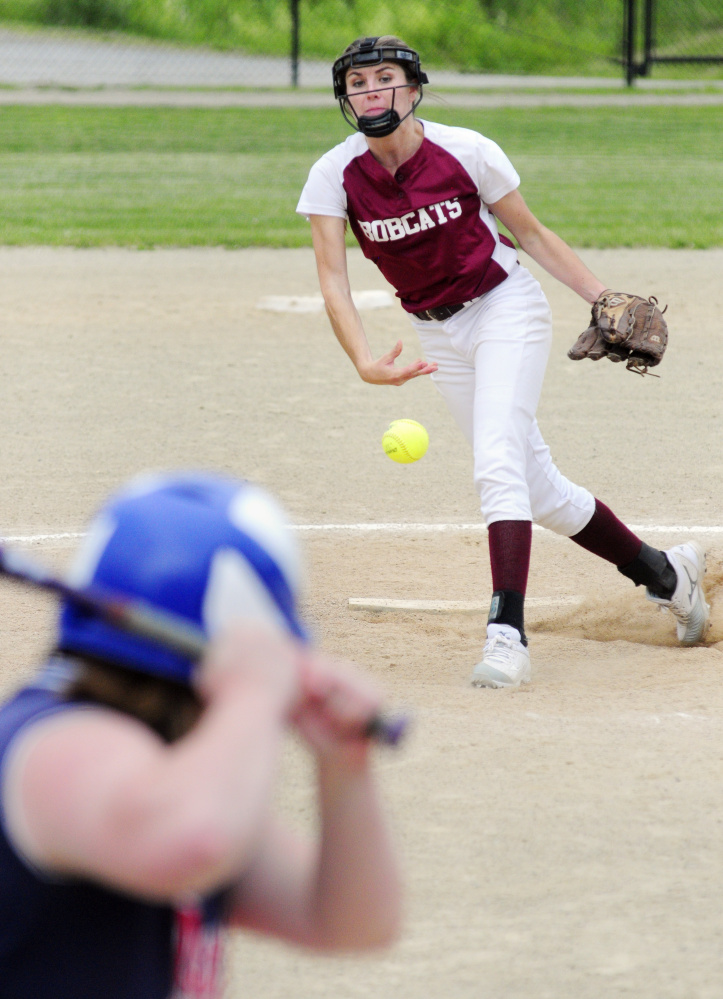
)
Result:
{"points": [[561, 841]]}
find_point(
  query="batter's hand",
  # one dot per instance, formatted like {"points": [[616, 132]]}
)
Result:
{"points": [[383, 372], [335, 704]]}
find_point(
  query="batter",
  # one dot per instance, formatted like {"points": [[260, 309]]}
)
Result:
{"points": [[137, 785], [423, 200]]}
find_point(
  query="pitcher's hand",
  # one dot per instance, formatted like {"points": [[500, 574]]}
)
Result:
{"points": [[383, 371]]}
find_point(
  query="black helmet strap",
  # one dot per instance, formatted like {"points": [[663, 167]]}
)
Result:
{"points": [[371, 54]]}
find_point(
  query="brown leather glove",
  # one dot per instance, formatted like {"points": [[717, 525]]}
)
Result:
{"points": [[624, 328]]}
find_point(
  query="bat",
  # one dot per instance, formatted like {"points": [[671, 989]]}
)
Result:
{"points": [[139, 618]]}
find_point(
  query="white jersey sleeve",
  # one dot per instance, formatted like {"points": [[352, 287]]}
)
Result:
{"points": [[324, 192], [496, 176], [485, 162]]}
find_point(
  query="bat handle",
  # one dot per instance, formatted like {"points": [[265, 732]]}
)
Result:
{"points": [[166, 629], [386, 730]]}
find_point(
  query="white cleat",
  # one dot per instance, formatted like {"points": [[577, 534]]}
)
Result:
{"points": [[504, 663], [687, 605]]}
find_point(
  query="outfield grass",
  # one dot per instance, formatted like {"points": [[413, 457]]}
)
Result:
{"points": [[231, 177]]}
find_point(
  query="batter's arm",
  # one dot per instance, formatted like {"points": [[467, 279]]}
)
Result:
{"points": [[546, 247], [94, 793], [342, 893], [339, 889], [328, 235]]}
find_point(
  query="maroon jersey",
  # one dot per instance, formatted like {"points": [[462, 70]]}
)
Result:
{"points": [[428, 228]]}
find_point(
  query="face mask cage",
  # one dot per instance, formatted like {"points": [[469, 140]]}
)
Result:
{"points": [[379, 125], [370, 54]]}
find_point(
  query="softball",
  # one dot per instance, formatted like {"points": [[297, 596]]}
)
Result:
{"points": [[405, 441]]}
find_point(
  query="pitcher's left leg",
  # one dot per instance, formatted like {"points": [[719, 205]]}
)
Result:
{"points": [[673, 579]]}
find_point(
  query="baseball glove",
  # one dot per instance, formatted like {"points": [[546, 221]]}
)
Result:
{"points": [[624, 328]]}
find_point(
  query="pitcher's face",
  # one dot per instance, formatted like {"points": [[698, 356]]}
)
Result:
{"points": [[375, 89]]}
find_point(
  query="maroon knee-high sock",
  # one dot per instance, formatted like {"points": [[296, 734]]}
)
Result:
{"points": [[608, 537], [510, 542]]}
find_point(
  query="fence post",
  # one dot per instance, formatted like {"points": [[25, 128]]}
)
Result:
{"points": [[629, 41], [648, 43], [294, 43]]}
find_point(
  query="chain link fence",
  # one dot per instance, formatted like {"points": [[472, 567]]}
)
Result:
{"points": [[687, 31], [290, 43], [672, 34]]}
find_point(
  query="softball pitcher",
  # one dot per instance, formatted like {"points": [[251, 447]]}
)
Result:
{"points": [[423, 200]]}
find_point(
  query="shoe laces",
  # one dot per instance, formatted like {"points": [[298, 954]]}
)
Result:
{"points": [[491, 645], [682, 609]]}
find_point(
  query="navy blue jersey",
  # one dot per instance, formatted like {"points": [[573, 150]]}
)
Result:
{"points": [[72, 939]]}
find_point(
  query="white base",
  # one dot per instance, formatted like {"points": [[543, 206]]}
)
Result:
{"points": [[315, 303]]}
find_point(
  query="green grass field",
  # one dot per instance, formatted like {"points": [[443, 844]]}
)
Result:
{"points": [[231, 177]]}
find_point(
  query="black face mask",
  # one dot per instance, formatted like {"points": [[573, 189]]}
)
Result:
{"points": [[377, 126]]}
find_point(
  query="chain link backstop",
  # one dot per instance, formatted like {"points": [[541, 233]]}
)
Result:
{"points": [[291, 43]]}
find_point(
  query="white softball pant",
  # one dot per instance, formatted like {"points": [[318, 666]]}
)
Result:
{"points": [[491, 361]]}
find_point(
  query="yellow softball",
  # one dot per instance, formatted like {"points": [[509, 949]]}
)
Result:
{"points": [[405, 441]]}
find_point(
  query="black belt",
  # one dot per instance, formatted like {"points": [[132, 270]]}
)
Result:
{"points": [[442, 312]]}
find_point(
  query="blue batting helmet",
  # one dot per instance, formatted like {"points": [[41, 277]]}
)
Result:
{"points": [[205, 548]]}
